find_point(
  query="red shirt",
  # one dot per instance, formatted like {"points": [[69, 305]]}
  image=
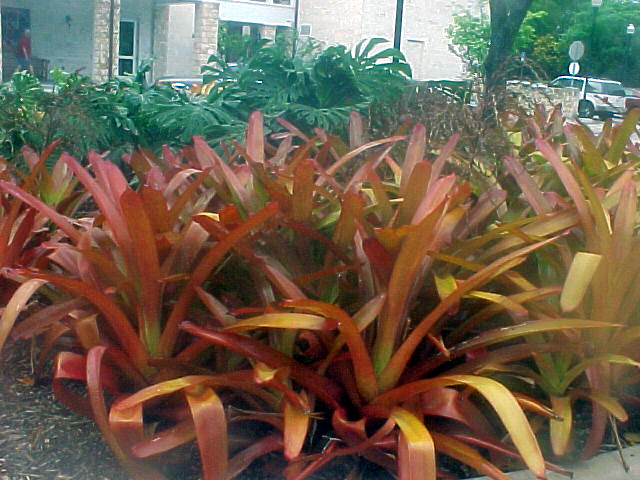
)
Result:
{"points": [[24, 45]]}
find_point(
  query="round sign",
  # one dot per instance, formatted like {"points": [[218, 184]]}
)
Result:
{"points": [[574, 68], [576, 50]]}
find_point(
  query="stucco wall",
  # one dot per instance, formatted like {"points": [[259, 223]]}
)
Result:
{"points": [[424, 41], [180, 51], [68, 45], [65, 45], [334, 21], [266, 13]]}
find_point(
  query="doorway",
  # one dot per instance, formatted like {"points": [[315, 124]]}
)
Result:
{"points": [[14, 22]]}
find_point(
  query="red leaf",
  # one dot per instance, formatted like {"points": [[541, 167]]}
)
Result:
{"points": [[211, 431], [322, 387]]}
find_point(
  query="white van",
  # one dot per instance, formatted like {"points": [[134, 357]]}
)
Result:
{"points": [[597, 97]]}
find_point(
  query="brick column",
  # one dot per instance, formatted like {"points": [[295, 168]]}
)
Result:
{"points": [[268, 32], [106, 36], [161, 18], [205, 36]]}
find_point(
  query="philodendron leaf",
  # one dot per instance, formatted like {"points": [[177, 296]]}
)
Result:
{"points": [[583, 268], [416, 452]]}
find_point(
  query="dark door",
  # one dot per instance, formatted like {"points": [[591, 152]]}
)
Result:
{"points": [[14, 22]]}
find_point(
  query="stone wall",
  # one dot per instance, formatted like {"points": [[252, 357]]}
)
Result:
{"points": [[205, 35], [105, 47], [531, 94]]}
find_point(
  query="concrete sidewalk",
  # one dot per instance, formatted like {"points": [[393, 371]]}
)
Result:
{"points": [[606, 466]]}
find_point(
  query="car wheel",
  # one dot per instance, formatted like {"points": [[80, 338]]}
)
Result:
{"points": [[586, 109]]}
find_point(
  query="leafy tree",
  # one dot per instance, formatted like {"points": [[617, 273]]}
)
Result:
{"points": [[609, 50], [548, 29], [506, 18]]}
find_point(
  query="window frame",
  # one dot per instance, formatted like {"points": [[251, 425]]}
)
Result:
{"points": [[134, 57]]}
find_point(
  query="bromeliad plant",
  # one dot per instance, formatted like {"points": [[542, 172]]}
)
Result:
{"points": [[596, 262], [303, 293]]}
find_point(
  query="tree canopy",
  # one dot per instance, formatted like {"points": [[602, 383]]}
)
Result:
{"points": [[547, 29]]}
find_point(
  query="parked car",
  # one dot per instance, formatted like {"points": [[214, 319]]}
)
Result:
{"points": [[597, 96], [631, 98], [179, 83]]}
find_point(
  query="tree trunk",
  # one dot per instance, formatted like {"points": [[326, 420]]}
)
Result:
{"points": [[506, 17]]}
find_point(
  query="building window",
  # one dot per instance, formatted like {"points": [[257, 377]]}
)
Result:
{"points": [[282, 2], [127, 51], [305, 30]]}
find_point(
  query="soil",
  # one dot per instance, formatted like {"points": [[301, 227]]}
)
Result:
{"points": [[40, 439]]}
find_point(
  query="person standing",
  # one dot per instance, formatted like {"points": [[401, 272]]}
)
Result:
{"points": [[24, 52]]}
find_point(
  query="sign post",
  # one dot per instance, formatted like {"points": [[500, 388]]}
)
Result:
{"points": [[576, 50], [574, 68]]}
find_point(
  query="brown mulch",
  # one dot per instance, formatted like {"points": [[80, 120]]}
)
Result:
{"points": [[40, 438]]}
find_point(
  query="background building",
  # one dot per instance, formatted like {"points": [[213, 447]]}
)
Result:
{"points": [[104, 38]]}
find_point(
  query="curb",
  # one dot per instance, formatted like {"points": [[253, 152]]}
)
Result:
{"points": [[606, 466]]}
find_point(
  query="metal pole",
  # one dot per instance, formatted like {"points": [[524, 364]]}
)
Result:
{"points": [[397, 32], [112, 13], [594, 43], [296, 13]]}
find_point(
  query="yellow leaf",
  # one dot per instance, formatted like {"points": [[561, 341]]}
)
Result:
{"points": [[416, 452], [583, 267]]}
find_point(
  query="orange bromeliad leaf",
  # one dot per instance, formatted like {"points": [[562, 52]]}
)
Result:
{"points": [[500, 398], [138, 470], [211, 430], [145, 253], [560, 429], [321, 386], [415, 153], [465, 454], [284, 320], [303, 189], [16, 305], [296, 426], [396, 364], [416, 452], [202, 271], [363, 368], [164, 440]]}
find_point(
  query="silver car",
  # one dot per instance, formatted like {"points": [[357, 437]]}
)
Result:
{"points": [[596, 96]]}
